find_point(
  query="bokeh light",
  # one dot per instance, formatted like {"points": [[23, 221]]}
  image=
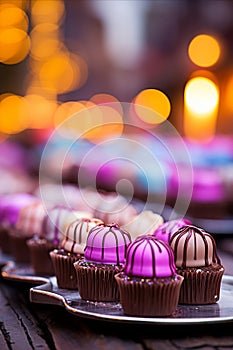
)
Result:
{"points": [[106, 122], [61, 73], [13, 114], [45, 41], [204, 50], [201, 100], [201, 95], [40, 111], [13, 16], [104, 98], [152, 106], [14, 45], [66, 110], [228, 96], [48, 11]]}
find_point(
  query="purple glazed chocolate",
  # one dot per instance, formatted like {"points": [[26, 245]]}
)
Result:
{"points": [[106, 244], [165, 231], [10, 206], [149, 257], [149, 284], [104, 256]]}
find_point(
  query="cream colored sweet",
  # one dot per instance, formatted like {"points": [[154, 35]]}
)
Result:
{"points": [[72, 216], [144, 223], [75, 236], [30, 219], [193, 247]]}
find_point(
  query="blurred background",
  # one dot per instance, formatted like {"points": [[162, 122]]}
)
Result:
{"points": [[172, 57]]}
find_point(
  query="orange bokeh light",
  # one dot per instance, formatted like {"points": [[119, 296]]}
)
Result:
{"points": [[13, 16], [40, 111], [14, 45], [152, 106], [204, 50], [48, 11], [13, 114]]}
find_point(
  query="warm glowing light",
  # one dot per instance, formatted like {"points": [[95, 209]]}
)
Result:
{"points": [[45, 41], [14, 45], [201, 101], [228, 96], [204, 50], [96, 123], [66, 110], [48, 11], [152, 106], [13, 16], [60, 74], [107, 99], [106, 122], [13, 114], [40, 112]]}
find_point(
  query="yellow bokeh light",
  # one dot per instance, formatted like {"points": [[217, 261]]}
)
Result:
{"points": [[201, 95], [66, 110], [60, 74], [204, 50], [13, 16], [109, 99], [106, 122], [228, 96], [49, 11], [14, 45], [40, 111], [201, 101], [13, 114], [152, 106], [23, 4], [45, 41]]}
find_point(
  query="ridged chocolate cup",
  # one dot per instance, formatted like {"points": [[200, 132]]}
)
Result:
{"points": [[201, 285], [5, 241], [39, 256], [64, 270], [97, 283], [18, 246], [149, 298]]}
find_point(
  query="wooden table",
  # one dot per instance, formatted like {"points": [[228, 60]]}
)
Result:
{"points": [[25, 325]]}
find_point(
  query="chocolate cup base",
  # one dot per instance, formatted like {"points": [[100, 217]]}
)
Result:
{"points": [[200, 287], [5, 241], [19, 248], [140, 298], [39, 256], [97, 283], [64, 270]]}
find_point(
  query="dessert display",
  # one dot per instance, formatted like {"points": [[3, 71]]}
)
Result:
{"points": [[10, 206], [145, 222], [197, 261], [165, 231], [104, 257], [49, 238], [149, 284], [71, 250], [115, 208], [28, 225]]}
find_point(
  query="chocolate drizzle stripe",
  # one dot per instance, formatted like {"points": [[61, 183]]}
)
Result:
{"points": [[194, 231], [133, 246]]}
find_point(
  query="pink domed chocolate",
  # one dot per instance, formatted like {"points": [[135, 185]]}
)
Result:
{"points": [[107, 244], [165, 231], [149, 257], [193, 247]]}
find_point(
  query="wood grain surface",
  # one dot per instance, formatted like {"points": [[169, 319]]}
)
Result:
{"points": [[25, 325]]}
